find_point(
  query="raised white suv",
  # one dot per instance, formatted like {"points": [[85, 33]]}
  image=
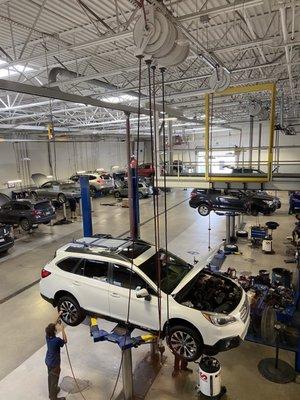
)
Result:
{"points": [[200, 311], [99, 181]]}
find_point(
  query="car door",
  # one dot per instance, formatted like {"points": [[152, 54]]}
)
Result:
{"points": [[45, 190], [142, 312], [19, 211], [91, 282], [6, 213], [230, 203]]}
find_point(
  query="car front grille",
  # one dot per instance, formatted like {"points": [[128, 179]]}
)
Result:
{"points": [[245, 309]]}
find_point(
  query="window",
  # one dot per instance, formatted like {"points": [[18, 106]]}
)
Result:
{"points": [[125, 278], [141, 185], [96, 269], [92, 177], [47, 185], [69, 264], [21, 207]]}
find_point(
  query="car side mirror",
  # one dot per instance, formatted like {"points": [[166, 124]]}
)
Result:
{"points": [[143, 294]]}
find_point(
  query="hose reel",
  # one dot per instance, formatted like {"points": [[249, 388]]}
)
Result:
{"points": [[156, 37]]}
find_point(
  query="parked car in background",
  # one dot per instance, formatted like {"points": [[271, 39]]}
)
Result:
{"points": [[207, 200], [121, 189], [53, 189], [26, 213], [201, 312], [294, 206], [242, 171], [99, 182], [146, 170], [6, 238]]}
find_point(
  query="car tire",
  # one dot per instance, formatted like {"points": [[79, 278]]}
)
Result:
{"points": [[61, 198], [231, 248], [203, 209], [25, 224], [242, 234], [34, 196], [117, 195], [140, 195], [189, 352], [93, 191], [72, 313]]}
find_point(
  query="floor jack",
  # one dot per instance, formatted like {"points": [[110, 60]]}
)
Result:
{"points": [[121, 335]]}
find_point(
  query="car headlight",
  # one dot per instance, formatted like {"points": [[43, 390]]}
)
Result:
{"points": [[269, 202], [219, 319]]}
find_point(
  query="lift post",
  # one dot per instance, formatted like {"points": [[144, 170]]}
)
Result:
{"points": [[86, 206]]}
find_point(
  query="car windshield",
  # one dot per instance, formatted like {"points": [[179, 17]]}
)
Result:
{"points": [[173, 270]]}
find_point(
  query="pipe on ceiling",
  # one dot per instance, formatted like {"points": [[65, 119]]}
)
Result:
{"points": [[59, 72]]}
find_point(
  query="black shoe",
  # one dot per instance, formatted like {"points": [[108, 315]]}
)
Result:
{"points": [[61, 398]]}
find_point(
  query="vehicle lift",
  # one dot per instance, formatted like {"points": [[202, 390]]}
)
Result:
{"points": [[121, 335]]}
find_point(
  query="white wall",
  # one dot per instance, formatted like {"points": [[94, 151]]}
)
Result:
{"points": [[70, 157]]}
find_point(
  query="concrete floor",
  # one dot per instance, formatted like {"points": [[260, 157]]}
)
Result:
{"points": [[24, 314]]}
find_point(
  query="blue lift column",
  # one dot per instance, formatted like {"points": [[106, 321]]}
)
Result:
{"points": [[86, 206]]}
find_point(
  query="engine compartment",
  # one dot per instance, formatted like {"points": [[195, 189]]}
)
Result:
{"points": [[210, 292]]}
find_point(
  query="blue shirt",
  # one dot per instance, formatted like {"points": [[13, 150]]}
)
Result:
{"points": [[53, 351]]}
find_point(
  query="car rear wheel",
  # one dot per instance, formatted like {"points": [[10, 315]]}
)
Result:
{"points": [[203, 210], [93, 191], [117, 195], [72, 314], [61, 198], [25, 224], [185, 342]]}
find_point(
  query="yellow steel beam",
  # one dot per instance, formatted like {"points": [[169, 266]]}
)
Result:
{"points": [[271, 134], [259, 87], [238, 90], [236, 179]]}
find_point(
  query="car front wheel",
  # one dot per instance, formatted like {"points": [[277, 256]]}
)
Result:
{"points": [[25, 224], [61, 198], [203, 210], [72, 314], [185, 342]]}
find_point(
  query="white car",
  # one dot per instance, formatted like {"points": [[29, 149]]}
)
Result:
{"points": [[200, 311], [99, 181]]}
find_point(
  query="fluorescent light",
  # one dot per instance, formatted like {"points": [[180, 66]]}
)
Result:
{"points": [[168, 119], [16, 181], [49, 176], [5, 72], [119, 99], [80, 172]]}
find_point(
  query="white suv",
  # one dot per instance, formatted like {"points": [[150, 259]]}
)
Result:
{"points": [[99, 182], [200, 311]]}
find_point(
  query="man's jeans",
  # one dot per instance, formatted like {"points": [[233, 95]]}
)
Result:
{"points": [[53, 377]]}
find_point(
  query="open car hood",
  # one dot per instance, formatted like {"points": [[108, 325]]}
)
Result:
{"points": [[3, 199], [39, 179], [193, 272]]}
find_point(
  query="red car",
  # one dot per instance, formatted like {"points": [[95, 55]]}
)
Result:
{"points": [[146, 170]]}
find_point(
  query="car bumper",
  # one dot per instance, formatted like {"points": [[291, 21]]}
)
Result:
{"points": [[42, 220], [193, 204], [223, 345], [6, 245], [51, 301]]}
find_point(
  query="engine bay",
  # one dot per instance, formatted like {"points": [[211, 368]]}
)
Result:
{"points": [[210, 292]]}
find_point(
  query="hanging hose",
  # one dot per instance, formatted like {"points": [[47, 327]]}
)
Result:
{"points": [[165, 179], [73, 374]]}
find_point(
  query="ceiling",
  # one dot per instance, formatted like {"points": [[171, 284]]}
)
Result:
{"points": [[256, 40]]}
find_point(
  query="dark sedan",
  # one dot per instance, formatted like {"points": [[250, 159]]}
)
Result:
{"points": [[207, 200], [6, 239], [26, 213]]}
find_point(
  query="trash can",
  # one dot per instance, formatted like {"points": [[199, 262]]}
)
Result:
{"points": [[209, 377]]}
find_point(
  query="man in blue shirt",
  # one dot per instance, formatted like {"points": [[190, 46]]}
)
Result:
{"points": [[52, 360]]}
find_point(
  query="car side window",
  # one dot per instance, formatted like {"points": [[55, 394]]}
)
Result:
{"points": [[6, 206], [96, 269], [20, 207], [47, 185], [124, 277], [69, 264], [140, 185]]}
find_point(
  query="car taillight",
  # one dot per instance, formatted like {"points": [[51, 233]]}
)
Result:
{"points": [[100, 180], [36, 212], [45, 273]]}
